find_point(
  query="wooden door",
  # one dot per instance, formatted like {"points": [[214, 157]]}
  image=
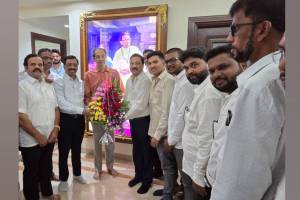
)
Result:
{"points": [[208, 31]]}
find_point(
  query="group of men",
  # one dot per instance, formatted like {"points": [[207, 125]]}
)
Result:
{"points": [[216, 117]]}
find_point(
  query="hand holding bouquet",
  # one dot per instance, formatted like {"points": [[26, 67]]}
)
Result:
{"points": [[108, 109]]}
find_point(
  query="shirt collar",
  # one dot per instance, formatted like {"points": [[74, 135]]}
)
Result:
{"points": [[257, 66], [104, 69], [161, 76], [138, 76], [59, 68], [180, 75], [32, 80], [66, 76], [203, 84]]}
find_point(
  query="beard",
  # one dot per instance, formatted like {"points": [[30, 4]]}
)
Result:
{"points": [[199, 78], [244, 55], [228, 88], [56, 62]]}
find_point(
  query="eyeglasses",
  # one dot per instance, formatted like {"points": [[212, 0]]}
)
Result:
{"points": [[172, 61], [192, 65], [47, 58], [235, 27]]}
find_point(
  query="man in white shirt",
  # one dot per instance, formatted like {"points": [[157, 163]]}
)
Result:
{"points": [[204, 109], [70, 92], [223, 70], [45, 54], [39, 127], [182, 96], [137, 93], [159, 102], [280, 191], [282, 59], [253, 161]]}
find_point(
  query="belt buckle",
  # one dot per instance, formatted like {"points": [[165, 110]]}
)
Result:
{"points": [[75, 116]]}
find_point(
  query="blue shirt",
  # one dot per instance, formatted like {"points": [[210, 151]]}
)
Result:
{"points": [[57, 73]]}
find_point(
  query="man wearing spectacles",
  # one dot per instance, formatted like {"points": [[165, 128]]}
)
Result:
{"points": [[181, 98], [253, 162], [46, 56]]}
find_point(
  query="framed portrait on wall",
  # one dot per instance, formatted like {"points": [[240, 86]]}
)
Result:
{"points": [[122, 33]]}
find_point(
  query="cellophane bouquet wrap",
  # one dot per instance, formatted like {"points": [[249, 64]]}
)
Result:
{"points": [[108, 109]]}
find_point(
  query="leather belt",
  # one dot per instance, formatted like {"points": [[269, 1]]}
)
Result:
{"points": [[75, 116]]}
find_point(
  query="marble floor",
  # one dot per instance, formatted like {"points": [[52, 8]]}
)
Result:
{"points": [[107, 188]]}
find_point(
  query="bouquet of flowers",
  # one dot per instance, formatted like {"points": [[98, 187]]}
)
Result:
{"points": [[108, 109]]}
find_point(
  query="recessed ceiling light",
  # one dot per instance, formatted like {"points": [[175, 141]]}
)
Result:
{"points": [[66, 25]]}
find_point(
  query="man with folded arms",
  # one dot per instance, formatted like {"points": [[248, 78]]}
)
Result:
{"points": [[39, 127]]}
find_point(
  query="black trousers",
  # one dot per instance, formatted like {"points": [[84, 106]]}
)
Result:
{"points": [[70, 138], [37, 170], [142, 152]]}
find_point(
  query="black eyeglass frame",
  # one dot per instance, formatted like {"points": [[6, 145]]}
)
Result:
{"points": [[235, 27]]}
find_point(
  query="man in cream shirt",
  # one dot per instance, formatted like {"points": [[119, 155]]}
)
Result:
{"points": [[159, 102], [137, 93], [39, 127]]}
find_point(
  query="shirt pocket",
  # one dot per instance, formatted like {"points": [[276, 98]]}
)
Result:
{"points": [[157, 96], [215, 126]]}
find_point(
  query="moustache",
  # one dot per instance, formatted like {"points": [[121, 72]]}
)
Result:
{"points": [[37, 69], [220, 79]]}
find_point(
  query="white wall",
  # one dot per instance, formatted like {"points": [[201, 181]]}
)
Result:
{"points": [[178, 13], [25, 30]]}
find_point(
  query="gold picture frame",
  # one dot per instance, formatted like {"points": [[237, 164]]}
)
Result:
{"points": [[107, 19]]}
